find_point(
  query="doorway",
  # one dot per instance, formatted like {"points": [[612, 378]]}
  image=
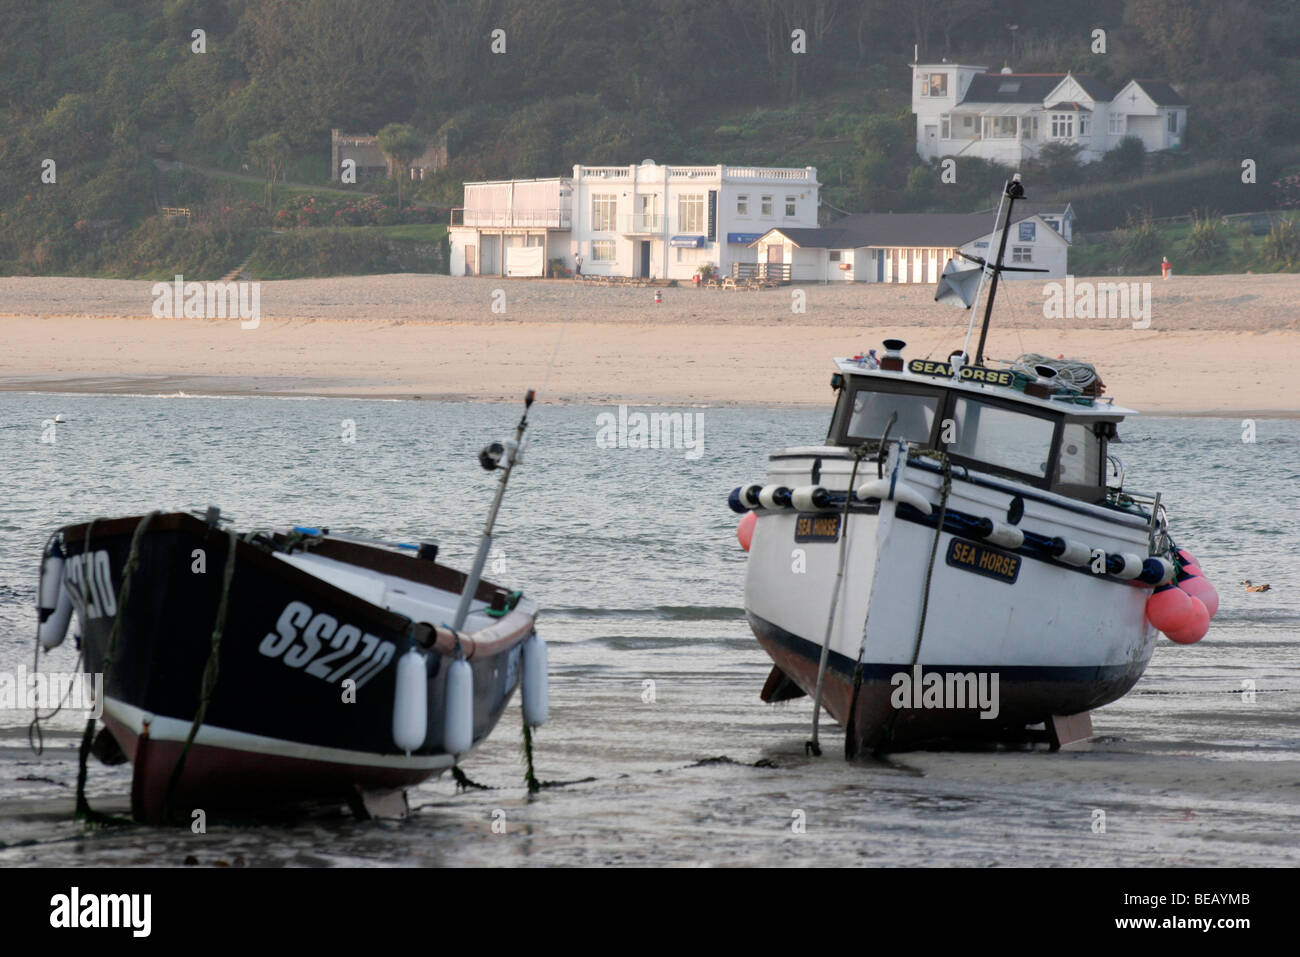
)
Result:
{"points": [[645, 259]]}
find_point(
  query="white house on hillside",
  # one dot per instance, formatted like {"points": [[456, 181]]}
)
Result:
{"points": [[914, 247], [644, 220], [1008, 117]]}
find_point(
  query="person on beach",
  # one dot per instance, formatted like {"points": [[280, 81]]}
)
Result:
{"points": [[577, 264]]}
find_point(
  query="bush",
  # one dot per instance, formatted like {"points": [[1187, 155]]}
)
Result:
{"points": [[1139, 240], [1282, 244], [1206, 241]]}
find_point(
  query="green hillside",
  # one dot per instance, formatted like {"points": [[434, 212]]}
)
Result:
{"points": [[117, 94]]}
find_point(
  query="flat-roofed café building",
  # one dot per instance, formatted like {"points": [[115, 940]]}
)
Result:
{"points": [[643, 220]]}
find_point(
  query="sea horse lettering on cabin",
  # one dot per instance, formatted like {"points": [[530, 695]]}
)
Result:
{"points": [[300, 636]]}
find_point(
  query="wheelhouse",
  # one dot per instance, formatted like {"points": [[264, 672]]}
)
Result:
{"points": [[1057, 446]]}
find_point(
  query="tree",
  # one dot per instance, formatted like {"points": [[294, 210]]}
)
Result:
{"points": [[402, 144], [270, 154]]}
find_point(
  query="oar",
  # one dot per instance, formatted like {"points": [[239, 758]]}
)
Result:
{"points": [[494, 456]]}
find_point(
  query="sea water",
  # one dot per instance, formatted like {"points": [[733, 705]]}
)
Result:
{"points": [[661, 748]]}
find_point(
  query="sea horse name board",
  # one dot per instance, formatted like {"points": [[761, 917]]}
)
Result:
{"points": [[968, 373]]}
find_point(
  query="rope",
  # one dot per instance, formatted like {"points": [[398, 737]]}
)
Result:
{"points": [[1074, 374], [529, 777], [210, 670], [84, 811], [929, 574], [812, 746]]}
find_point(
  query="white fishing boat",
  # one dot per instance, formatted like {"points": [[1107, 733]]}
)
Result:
{"points": [[960, 558]]}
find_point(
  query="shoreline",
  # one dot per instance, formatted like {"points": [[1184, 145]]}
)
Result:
{"points": [[237, 388]]}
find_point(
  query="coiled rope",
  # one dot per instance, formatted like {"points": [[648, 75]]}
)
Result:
{"points": [[211, 669], [1075, 374]]}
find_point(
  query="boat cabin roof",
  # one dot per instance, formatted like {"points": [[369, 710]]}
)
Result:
{"points": [[1080, 406]]}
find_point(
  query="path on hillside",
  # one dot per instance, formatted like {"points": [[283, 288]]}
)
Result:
{"points": [[168, 166]]}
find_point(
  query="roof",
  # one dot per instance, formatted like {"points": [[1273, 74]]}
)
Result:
{"points": [[897, 229], [1095, 88], [1162, 93], [1071, 107], [1011, 87]]}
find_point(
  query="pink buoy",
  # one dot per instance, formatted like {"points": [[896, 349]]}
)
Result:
{"points": [[1196, 627], [1169, 608], [1187, 557], [1199, 587], [745, 530]]}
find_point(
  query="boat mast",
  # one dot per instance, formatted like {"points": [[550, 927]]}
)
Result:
{"points": [[1013, 192], [490, 458]]}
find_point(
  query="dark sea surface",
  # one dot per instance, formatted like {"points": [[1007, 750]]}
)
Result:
{"points": [[633, 557]]}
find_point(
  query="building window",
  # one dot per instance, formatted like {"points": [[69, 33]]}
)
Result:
{"points": [[1084, 124], [742, 204], [1062, 126], [604, 206], [690, 212], [945, 127], [1029, 127], [835, 255], [1001, 127], [1022, 254], [1116, 124], [765, 209], [790, 206], [934, 84], [602, 251], [1173, 122]]}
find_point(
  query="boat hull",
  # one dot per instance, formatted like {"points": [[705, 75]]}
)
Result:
{"points": [[943, 640], [292, 716]]}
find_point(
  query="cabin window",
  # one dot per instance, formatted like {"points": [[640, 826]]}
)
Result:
{"points": [[1005, 439], [871, 410], [1081, 455]]}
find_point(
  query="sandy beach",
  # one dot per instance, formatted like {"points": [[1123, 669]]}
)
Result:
{"points": [[1216, 345]]}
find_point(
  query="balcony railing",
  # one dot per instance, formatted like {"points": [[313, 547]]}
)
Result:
{"points": [[641, 223], [508, 218]]}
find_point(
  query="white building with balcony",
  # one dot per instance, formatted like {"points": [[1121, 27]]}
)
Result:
{"points": [[1007, 117], [644, 220]]}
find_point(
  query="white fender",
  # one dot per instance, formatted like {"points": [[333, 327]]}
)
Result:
{"points": [[1076, 553], [1132, 566], [902, 492], [458, 726], [535, 681], [803, 496], [51, 579], [411, 702], [765, 498], [54, 623], [1169, 569], [1008, 536]]}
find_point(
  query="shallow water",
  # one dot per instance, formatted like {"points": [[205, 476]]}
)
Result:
{"points": [[633, 557]]}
